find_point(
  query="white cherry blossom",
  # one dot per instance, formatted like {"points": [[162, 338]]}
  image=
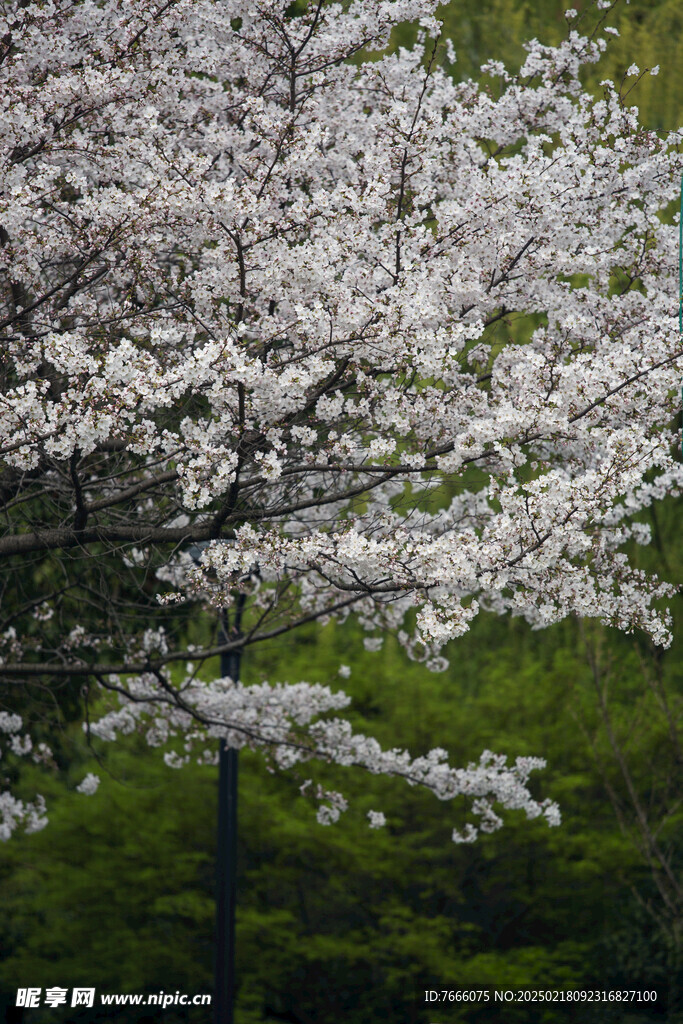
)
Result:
{"points": [[289, 336]]}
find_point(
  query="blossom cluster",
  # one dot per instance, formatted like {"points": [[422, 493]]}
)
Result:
{"points": [[15, 813]]}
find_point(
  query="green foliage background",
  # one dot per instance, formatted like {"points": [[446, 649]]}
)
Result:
{"points": [[348, 924]]}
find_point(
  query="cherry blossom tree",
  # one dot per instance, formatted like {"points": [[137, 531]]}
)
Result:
{"points": [[294, 330]]}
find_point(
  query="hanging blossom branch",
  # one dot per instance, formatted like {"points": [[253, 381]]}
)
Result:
{"points": [[321, 338], [284, 722]]}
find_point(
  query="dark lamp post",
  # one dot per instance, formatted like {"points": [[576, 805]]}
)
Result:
{"points": [[226, 844], [226, 866]]}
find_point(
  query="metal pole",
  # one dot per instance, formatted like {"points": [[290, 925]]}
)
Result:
{"points": [[226, 864]]}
